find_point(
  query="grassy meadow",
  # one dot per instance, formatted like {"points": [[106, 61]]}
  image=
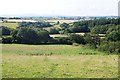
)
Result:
{"points": [[56, 61], [61, 21], [9, 25]]}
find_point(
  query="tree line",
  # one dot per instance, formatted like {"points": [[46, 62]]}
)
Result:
{"points": [[30, 33], [97, 25]]}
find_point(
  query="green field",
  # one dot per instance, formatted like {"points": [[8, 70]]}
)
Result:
{"points": [[58, 35], [61, 21], [65, 35], [9, 25], [48, 50], [56, 61]]}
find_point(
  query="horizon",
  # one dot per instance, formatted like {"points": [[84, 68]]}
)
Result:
{"points": [[53, 16]]}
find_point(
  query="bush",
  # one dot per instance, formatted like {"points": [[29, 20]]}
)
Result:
{"points": [[113, 36], [91, 46], [7, 40], [88, 38], [64, 40], [75, 44], [111, 47], [64, 25], [75, 38], [53, 31], [5, 31]]}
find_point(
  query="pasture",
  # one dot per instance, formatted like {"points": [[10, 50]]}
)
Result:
{"points": [[65, 35], [21, 49], [58, 35], [9, 25], [62, 21], [56, 61]]}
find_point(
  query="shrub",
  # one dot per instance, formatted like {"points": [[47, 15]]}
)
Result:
{"points": [[5, 31], [113, 36], [91, 46], [53, 31], [75, 44], [7, 40], [111, 47], [75, 38], [64, 40]]}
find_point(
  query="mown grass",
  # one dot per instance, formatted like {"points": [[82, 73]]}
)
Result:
{"points": [[23, 61], [9, 25]]}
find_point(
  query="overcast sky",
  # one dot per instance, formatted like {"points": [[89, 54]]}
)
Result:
{"points": [[59, 7]]}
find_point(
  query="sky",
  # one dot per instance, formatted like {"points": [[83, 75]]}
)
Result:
{"points": [[58, 8]]}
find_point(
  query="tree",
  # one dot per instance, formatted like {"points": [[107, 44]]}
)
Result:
{"points": [[4, 30], [111, 47], [77, 39], [42, 36], [112, 28], [6, 39], [30, 36], [113, 36], [14, 36], [53, 31], [35, 24], [64, 25], [88, 38], [26, 35]]}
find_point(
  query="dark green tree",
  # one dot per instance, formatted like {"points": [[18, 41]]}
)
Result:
{"points": [[77, 39], [113, 36], [64, 25], [5, 30], [53, 31], [30, 36]]}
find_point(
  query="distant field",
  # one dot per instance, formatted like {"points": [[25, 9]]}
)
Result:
{"points": [[14, 23], [10, 25], [36, 61], [61, 21], [65, 35], [20, 20], [58, 35]]}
